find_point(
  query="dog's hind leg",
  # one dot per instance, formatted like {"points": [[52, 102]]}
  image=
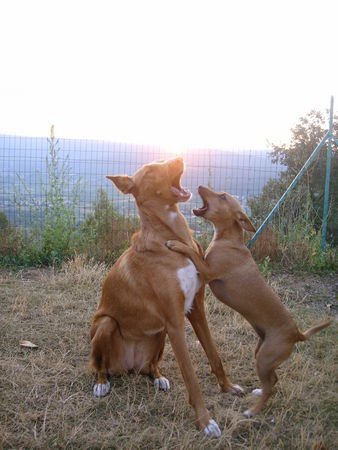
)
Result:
{"points": [[160, 382], [269, 356], [268, 379], [104, 349]]}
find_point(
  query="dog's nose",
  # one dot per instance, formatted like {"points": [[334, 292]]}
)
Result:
{"points": [[202, 189], [179, 159]]}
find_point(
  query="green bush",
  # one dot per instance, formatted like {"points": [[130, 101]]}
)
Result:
{"points": [[295, 232], [52, 236], [4, 223], [292, 239], [104, 233]]}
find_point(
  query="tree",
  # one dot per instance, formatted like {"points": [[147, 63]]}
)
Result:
{"points": [[305, 136]]}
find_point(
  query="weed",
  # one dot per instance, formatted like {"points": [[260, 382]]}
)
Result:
{"points": [[292, 240], [105, 234], [265, 267], [50, 239]]}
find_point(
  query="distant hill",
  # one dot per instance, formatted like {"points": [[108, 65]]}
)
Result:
{"points": [[241, 172]]}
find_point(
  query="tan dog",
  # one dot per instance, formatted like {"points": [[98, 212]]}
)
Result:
{"points": [[235, 280], [148, 292]]}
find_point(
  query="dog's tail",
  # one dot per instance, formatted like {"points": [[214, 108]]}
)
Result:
{"points": [[308, 333]]}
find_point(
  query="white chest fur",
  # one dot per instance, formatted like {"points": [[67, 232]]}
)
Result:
{"points": [[190, 284]]}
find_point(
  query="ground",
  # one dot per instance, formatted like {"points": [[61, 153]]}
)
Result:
{"points": [[46, 396]]}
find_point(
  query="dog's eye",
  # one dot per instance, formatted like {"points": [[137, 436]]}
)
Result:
{"points": [[223, 197]]}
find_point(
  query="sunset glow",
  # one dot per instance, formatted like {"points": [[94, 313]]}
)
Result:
{"points": [[180, 74]]}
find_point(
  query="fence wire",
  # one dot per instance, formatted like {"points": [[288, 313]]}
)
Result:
{"points": [[24, 173]]}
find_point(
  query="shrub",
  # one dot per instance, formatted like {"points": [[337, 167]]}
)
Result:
{"points": [[291, 240], [105, 234], [51, 238], [4, 223], [9, 239]]}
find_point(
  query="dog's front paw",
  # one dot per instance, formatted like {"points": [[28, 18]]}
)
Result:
{"points": [[174, 245], [100, 390], [237, 390], [169, 244], [162, 384], [212, 429]]}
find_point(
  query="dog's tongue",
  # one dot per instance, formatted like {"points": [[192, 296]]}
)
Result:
{"points": [[199, 211], [181, 193]]}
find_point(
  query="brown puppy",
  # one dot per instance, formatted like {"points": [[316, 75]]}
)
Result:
{"points": [[236, 281], [149, 290]]}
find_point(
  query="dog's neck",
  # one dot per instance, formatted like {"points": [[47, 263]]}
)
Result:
{"points": [[229, 231], [162, 223]]}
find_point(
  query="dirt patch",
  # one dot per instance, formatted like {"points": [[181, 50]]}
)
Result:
{"points": [[318, 290]]}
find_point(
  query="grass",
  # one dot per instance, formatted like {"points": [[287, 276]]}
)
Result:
{"points": [[46, 393]]}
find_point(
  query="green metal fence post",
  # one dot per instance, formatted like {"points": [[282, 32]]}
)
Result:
{"points": [[274, 211], [327, 177]]}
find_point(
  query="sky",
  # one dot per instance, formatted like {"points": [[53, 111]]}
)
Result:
{"points": [[187, 73]]}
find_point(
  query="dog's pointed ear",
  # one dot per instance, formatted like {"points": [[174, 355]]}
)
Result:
{"points": [[123, 182], [245, 222]]}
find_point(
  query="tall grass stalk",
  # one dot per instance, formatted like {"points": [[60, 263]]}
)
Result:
{"points": [[50, 238]]}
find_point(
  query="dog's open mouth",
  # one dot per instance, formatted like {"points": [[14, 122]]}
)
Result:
{"points": [[181, 193], [201, 211]]}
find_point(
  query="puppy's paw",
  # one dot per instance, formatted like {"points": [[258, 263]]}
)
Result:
{"points": [[249, 414], [212, 430], [162, 384], [169, 244], [174, 245], [237, 390], [100, 390], [257, 392]]}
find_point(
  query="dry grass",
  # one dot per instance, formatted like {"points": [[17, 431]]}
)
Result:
{"points": [[45, 394], [267, 245]]}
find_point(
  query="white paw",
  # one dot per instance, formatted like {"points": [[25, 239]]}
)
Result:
{"points": [[162, 384], [212, 429], [237, 390], [248, 414], [257, 392], [100, 390]]}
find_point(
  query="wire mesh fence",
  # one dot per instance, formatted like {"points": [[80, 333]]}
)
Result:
{"points": [[24, 173]]}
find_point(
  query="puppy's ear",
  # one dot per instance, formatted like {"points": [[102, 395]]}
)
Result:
{"points": [[244, 222], [123, 182]]}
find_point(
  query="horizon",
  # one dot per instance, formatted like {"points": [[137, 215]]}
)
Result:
{"points": [[142, 145]]}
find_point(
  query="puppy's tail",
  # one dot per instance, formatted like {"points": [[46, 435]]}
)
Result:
{"points": [[308, 333]]}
